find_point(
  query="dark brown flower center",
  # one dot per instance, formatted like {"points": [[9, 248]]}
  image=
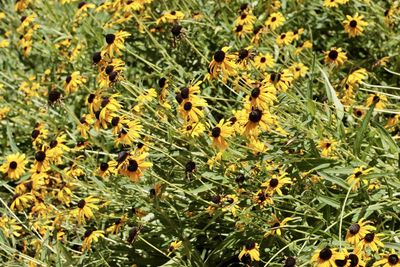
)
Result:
{"points": [[251, 245], [239, 28], [185, 93], [393, 259], [263, 59], [290, 262], [243, 53], [13, 165], [325, 254], [353, 23], [216, 132], [187, 106], [40, 156], [219, 56], [353, 260], [333, 54], [81, 203], [273, 182], [103, 166], [354, 228], [369, 237], [133, 165], [114, 121], [68, 79], [110, 38], [96, 57], [255, 115], [255, 92]]}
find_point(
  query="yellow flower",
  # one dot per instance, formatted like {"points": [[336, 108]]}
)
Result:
{"points": [[276, 183], [191, 110], [117, 225], [21, 202], [371, 240], [305, 45], [276, 226], [379, 99], [223, 63], [354, 25], [254, 119], [251, 250], [10, 227], [174, 246], [134, 166], [14, 166], [219, 133], [326, 257], [281, 80], [264, 61], [115, 43], [335, 56], [357, 231], [73, 81], [355, 179], [262, 197], [90, 236], [193, 129], [246, 18], [128, 133], [298, 70], [84, 209], [171, 17], [242, 30], [388, 260], [285, 38], [327, 146], [107, 168], [275, 20]]}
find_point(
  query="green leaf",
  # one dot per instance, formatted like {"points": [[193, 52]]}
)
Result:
{"points": [[335, 180], [332, 95], [360, 132], [329, 201]]}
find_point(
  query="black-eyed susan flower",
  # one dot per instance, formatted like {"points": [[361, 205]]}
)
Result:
{"points": [[230, 203], [262, 96], [262, 198], [355, 179], [357, 231], [107, 168], [372, 241], [57, 148], [326, 257], [134, 166], [64, 194], [39, 134], [91, 235], [252, 120], [84, 209], [21, 202], [276, 225], [224, 63], [380, 100], [115, 43], [285, 38], [118, 224], [73, 81], [332, 3], [250, 250], [245, 18], [42, 160], [220, 133], [243, 30], [264, 61], [175, 245], [193, 129], [327, 146], [14, 165], [390, 259], [352, 259], [128, 133], [304, 45], [191, 110], [171, 17], [298, 70], [84, 125], [354, 26], [10, 226], [275, 20], [335, 56], [276, 183], [281, 80], [83, 8]]}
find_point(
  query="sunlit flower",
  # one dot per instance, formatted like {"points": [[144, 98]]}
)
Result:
{"points": [[14, 166]]}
